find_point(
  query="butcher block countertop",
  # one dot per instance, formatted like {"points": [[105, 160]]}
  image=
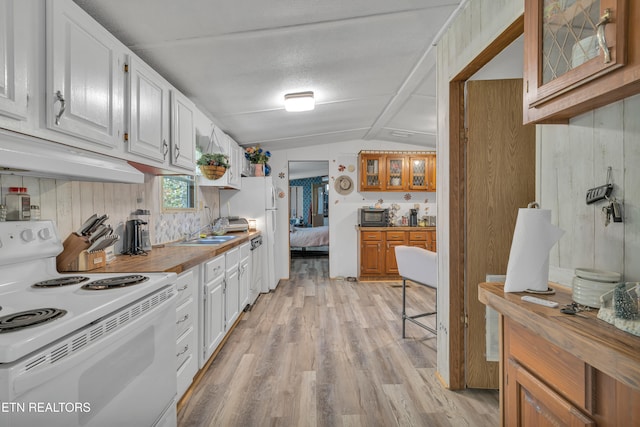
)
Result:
{"points": [[172, 258], [588, 338]]}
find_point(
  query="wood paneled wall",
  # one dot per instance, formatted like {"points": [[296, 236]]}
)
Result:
{"points": [[574, 158]]}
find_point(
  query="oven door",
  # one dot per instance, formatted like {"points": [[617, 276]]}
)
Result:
{"points": [[124, 375]]}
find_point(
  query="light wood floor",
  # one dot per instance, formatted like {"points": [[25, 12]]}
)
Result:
{"points": [[320, 352]]}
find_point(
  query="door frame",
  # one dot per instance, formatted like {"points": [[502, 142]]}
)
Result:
{"points": [[457, 195]]}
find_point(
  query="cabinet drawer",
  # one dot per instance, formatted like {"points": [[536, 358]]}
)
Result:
{"points": [[232, 258], [185, 374], [184, 347], [395, 235], [419, 243], [245, 250], [560, 370], [371, 235], [417, 235], [214, 268], [184, 316], [185, 284], [535, 404]]}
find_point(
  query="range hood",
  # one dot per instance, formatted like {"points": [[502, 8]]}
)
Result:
{"points": [[30, 156]]}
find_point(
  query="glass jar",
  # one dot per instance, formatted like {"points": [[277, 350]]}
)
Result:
{"points": [[18, 204], [35, 213]]}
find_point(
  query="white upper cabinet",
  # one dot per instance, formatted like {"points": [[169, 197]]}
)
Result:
{"points": [[183, 135], [235, 160], [84, 76], [148, 120], [13, 59]]}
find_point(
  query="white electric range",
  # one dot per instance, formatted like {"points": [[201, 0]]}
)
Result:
{"points": [[81, 349]]}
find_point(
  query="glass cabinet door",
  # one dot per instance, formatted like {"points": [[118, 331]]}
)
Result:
{"points": [[418, 179], [571, 43], [372, 171], [396, 178]]}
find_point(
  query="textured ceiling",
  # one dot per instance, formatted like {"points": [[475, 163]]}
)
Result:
{"points": [[370, 63]]}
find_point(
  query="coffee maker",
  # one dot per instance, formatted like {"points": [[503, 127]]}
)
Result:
{"points": [[413, 217], [133, 244]]}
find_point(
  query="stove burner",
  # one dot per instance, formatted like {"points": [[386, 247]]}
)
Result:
{"points": [[115, 282], [60, 281], [25, 319]]}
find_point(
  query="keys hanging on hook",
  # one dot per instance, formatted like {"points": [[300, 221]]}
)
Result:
{"points": [[606, 214], [613, 211], [616, 210]]}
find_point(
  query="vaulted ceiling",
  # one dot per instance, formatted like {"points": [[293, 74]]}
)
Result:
{"points": [[370, 63]]}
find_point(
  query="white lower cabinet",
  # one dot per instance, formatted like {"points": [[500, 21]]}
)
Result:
{"points": [[232, 286], [213, 305], [186, 329]]}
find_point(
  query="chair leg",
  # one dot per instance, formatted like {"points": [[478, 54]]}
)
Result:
{"points": [[417, 316], [404, 303]]}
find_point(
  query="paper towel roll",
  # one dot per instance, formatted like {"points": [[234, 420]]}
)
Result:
{"points": [[534, 236]]}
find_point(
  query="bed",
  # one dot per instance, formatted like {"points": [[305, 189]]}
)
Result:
{"points": [[314, 239]]}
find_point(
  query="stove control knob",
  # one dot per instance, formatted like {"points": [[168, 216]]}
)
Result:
{"points": [[27, 235], [44, 234]]}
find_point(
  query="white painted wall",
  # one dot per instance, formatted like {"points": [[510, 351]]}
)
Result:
{"points": [[343, 239]]}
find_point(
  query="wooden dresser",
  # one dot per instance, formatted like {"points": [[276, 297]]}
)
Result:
{"points": [[559, 369]]}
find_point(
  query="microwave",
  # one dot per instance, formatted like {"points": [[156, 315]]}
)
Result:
{"points": [[374, 217]]}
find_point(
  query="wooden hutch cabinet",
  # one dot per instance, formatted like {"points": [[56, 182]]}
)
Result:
{"points": [[397, 171], [377, 253], [579, 55], [564, 370]]}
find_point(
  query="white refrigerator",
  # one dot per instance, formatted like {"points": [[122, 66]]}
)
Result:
{"points": [[256, 200]]}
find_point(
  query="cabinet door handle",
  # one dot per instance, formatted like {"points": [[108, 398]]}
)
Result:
{"points": [[165, 147], [184, 288], [177, 150], [184, 350], [602, 41], [59, 97], [183, 319]]}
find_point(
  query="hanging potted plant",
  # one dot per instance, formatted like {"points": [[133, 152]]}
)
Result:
{"points": [[213, 165]]}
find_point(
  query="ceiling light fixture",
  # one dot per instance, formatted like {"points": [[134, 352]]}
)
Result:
{"points": [[299, 101]]}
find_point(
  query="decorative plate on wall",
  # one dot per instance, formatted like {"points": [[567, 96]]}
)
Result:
{"points": [[344, 185]]}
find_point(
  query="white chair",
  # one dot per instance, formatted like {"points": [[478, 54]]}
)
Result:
{"points": [[421, 267]]}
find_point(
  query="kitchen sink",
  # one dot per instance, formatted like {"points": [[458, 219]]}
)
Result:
{"points": [[210, 240]]}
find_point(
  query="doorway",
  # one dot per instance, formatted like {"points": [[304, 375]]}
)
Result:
{"points": [[470, 251], [308, 209]]}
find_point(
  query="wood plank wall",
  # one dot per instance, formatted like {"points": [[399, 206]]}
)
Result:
{"points": [[574, 158]]}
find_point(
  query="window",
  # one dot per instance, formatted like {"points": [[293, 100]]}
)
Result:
{"points": [[178, 192]]}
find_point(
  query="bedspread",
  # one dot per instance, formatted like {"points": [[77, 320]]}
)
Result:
{"points": [[308, 237]]}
